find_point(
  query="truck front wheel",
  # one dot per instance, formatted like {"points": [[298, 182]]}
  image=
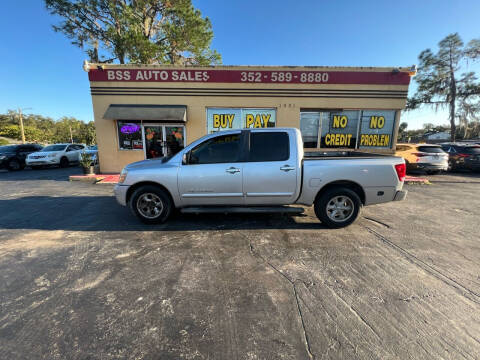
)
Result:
{"points": [[337, 207], [151, 204]]}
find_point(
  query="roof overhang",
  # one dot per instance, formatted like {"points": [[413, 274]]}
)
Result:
{"points": [[146, 112]]}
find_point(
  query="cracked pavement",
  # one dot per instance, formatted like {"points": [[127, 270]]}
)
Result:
{"points": [[81, 278]]}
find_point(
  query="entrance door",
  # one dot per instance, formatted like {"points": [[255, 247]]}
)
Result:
{"points": [[163, 140], [153, 141], [174, 139]]}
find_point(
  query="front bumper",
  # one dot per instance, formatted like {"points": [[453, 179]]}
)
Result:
{"points": [[400, 195], [120, 192]]}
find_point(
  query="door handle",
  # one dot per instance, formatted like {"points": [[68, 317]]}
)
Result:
{"points": [[232, 170], [287, 168]]}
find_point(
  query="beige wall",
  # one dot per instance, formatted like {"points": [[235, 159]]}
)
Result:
{"points": [[112, 159]]}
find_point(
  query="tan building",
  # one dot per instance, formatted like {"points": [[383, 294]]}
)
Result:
{"points": [[143, 112]]}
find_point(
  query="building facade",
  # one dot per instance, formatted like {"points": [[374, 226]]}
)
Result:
{"points": [[142, 112]]}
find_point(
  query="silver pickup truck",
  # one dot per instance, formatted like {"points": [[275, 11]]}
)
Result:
{"points": [[260, 170]]}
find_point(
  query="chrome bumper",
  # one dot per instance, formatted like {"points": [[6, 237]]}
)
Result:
{"points": [[400, 195], [120, 192]]}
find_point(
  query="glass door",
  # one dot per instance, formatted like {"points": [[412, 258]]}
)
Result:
{"points": [[163, 140], [153, 139], [174, 139]]}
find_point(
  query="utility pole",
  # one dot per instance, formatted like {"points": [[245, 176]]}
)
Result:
{"points": [[71, 136], [21, 125]]}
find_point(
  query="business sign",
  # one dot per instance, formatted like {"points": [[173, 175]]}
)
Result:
{"points": [[246, 76], [130, 128], [219, 119], [376, 130]]}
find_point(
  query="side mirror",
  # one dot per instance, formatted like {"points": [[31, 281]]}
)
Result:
{"points": [[184, 159]]}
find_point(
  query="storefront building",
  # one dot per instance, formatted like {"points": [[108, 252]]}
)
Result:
{"points": [[142, 112]]}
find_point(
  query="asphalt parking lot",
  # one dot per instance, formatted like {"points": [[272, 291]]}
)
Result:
{"points": [[82, 279]]}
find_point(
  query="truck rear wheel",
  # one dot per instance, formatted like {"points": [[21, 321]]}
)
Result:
{"points": [[151, 204], [337, 207]]}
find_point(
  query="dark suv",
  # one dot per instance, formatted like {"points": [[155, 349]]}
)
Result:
{"points": [[463, 156], [13, 157]]}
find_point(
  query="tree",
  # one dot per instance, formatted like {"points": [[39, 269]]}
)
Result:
{"points": [[138, 31], [439, 81]]}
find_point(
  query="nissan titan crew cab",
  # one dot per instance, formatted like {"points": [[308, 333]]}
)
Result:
{"points": [[260, 170]]}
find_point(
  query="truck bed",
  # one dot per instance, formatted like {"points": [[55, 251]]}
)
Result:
{"points": [[322, 155]]}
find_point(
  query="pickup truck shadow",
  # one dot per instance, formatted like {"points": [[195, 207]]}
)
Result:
{"points": [[102, 213]]}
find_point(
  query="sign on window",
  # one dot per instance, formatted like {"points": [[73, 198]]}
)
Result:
{"points": [[339, 129], [376, 129], [219, 119]]}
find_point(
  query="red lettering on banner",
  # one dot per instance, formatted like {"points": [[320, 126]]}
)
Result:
{"points": [[247, 76]]}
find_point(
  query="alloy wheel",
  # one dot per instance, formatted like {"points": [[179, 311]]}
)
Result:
{"points": [[340, 208], [150, 205]]}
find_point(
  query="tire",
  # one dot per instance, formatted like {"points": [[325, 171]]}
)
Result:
{"points": [[154, 199], [14, 165], [451, 166], [333, 198], [64, 162]]}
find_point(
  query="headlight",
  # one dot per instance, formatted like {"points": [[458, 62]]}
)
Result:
{"points": [[52, 155], [123, 176]]}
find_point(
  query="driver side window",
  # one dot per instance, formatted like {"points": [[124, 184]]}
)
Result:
{"points": [[221, 149]]}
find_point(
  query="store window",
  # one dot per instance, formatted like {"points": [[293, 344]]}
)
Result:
{"points": [[348, 129], [376, 130], [130, 135], [309, 125], [219, 119], [339, 129]]}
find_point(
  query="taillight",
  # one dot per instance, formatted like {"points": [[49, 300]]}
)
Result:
{"points": [[401, 170], [463, 155], [421, 154]]}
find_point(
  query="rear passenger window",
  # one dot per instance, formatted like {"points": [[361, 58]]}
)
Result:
{"points": [[269, 146], [430, 149]]}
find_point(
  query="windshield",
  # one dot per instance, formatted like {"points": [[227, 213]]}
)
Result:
{"points": [[54, 148], [8, 149]]}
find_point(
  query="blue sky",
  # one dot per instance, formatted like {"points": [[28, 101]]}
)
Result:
{"points": [[42, 70]]}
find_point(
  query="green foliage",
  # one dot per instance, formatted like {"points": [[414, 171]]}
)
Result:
{"points": [[46, 130], [441, 82], [85, 160], [137, 31], [3, 142]]}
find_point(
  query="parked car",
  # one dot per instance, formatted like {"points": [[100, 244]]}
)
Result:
{"points": [[462, 156], [428, 157], [58, 154], [260, 170], [13, 157]]}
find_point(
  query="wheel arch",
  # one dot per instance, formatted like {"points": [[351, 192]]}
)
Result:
{"points": [[349, 184], [134, 187]]}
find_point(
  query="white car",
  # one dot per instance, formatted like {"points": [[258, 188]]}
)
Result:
{"points": [[57, 154]]}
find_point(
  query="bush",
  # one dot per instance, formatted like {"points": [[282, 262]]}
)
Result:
{"points": [[3, 142]]}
